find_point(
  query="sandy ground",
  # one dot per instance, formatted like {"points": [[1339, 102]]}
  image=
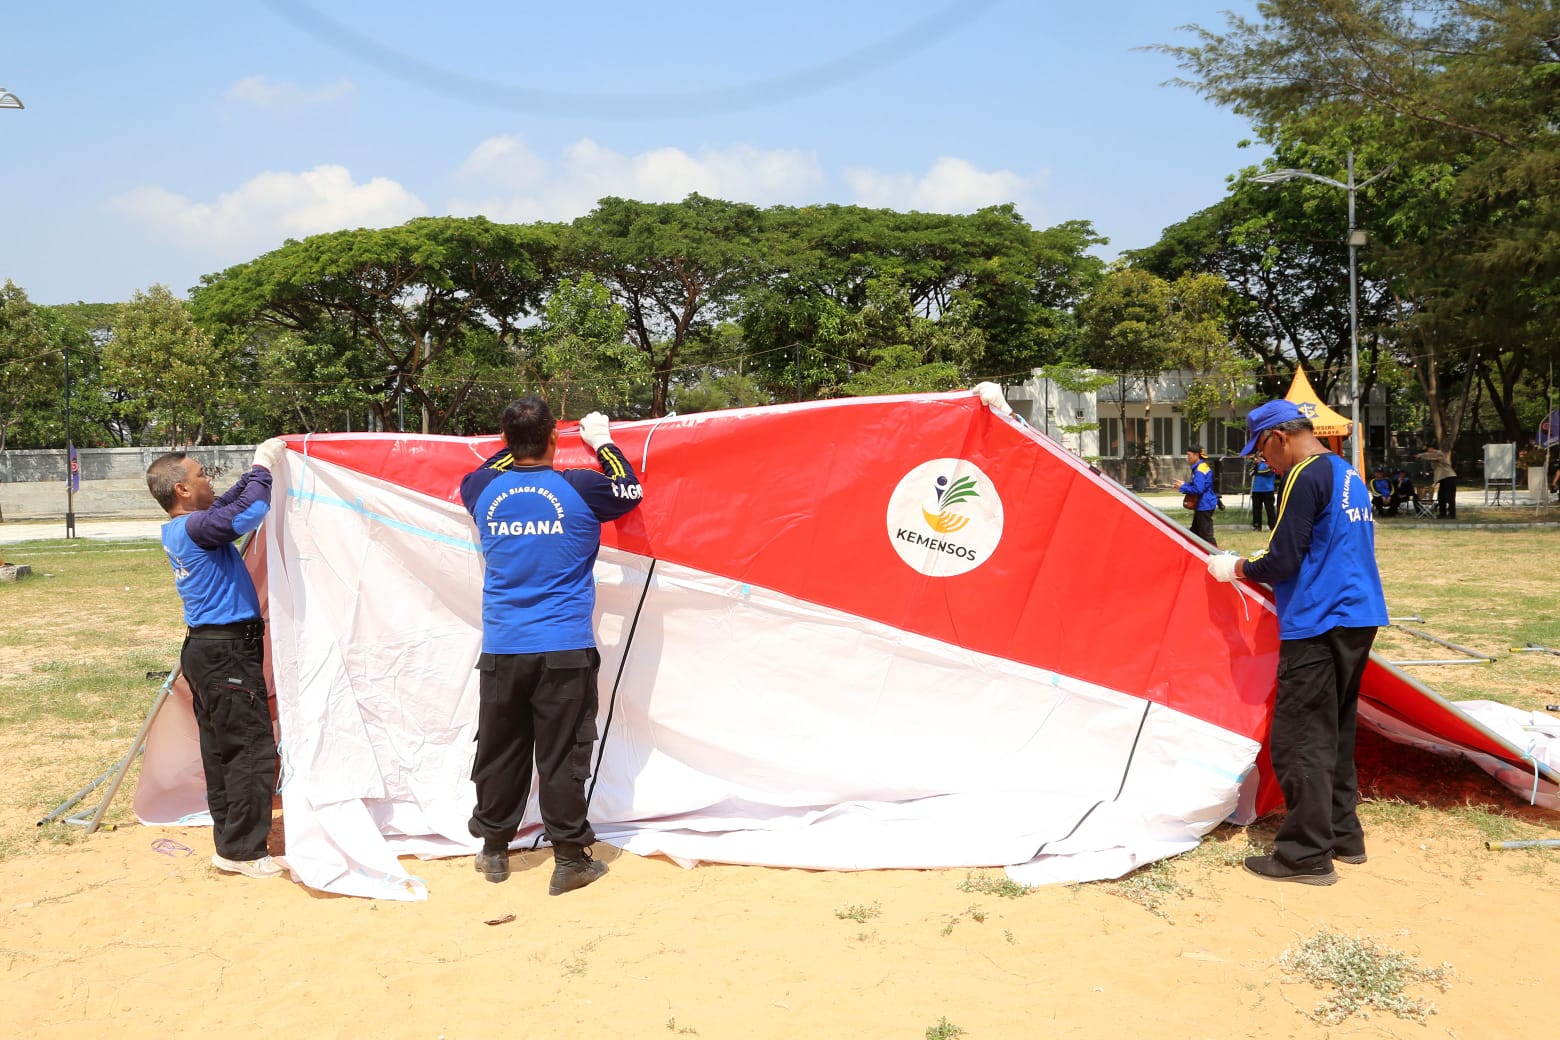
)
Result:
{"points": [[132, 933]]}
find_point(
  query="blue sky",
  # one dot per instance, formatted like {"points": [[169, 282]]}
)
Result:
{"points": [[164, 141]]}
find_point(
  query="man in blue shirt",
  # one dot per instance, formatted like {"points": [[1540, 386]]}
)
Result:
{"points": [[1381, 493], [223, 655], [1321, 562], [1263, 485], [540, 530], [1201, 485]]}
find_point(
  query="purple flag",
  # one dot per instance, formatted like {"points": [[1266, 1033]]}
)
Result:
{"points": [[1549, 430], [75, 469]]}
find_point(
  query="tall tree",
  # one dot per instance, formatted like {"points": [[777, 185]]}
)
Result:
{"points": [[677, 268], [178, 385], [1126, 333], [1465, 94], [407, 301], [31, 363], [580, 353]]}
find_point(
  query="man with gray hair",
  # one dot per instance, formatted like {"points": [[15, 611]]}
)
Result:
{"points": [[1321, 562], [222, 658]]}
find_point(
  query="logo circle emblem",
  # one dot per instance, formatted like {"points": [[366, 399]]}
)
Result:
{"points": [[945, 517]]}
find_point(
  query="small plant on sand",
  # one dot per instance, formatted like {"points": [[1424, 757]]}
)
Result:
{"points": [[1150, 886], [856, 912], [1364, 975], [943, 1030], [974, 913], [993, 885]]}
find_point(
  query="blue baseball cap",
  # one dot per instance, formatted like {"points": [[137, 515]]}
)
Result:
{"points": [[1266, 416]]}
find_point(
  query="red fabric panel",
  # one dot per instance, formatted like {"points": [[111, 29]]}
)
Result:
{"points": [[1085, 581]]}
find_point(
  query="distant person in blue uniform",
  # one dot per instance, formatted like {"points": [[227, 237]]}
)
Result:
{"points": [[1263, 488], [540, 530], [1381, 493], [223, 655], [1201, 484], [1321, 562]]}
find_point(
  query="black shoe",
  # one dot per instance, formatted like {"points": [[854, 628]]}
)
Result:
{"points": [[573, 869], [1352, 858], [1270, 868], [493, 864]]}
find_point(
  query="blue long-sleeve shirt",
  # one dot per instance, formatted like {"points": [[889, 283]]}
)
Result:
{"points": [[1201, 485], [540, 530], [207, 570]]}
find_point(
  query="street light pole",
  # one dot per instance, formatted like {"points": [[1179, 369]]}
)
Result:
{"points": [[70, 458], [1356, 239]]}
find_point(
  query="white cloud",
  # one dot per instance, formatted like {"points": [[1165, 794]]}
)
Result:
{"points": [[257, 90], [266, 209], [511, 182], [950, 186]]}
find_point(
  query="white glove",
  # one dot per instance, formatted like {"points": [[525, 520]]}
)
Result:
{"points": [[270, 453], [991, 396], [594, 431], [1222, 566]]}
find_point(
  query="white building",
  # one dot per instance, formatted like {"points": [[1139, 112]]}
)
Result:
{"points": [[1163, 427]]}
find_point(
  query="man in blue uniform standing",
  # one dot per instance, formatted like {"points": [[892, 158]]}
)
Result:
{"points": [[1263, 485], [540, 530], [223, 655], [1321, 562], [1201, 485]]}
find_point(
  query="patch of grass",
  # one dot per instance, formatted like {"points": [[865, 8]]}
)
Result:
{"points": [[1364, 975], [1392, 813], [993, 885], [859, 913], [943, 1030], [98, 691], [1492, 824], [1150, 887], [1224, 846]]}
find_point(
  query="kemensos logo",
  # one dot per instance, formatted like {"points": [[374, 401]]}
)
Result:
{"points": [[945, 517]]}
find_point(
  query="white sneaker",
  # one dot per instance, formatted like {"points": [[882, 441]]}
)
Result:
{"points": [[264, 867]]}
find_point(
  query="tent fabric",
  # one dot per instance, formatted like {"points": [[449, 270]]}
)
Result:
{"points": [[882, 632], [1324, 421]]}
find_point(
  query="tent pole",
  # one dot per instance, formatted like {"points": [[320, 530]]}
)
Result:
{"points": [[117, 772]]}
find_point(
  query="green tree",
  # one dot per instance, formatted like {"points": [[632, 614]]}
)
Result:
{"points": [[418, 309], [580, 352], [911, 353], [677, 268], [177, 384], [1462, 94], [31, 365], [1126, 332]]}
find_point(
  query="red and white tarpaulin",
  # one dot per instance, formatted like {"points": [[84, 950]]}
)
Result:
{"points": [[879, 632]]}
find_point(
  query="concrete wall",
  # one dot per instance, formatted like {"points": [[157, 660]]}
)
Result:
{"points": [[113, 480]]}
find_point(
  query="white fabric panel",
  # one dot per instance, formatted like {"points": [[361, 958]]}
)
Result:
{"points": [[375, 612], [749, 727], [754, 728]]}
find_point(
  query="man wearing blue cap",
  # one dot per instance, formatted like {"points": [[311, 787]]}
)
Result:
{"points": [[1321, 562]]}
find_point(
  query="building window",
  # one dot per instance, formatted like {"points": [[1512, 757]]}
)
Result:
{"points": [[1164, 435], [1111, 446]]}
